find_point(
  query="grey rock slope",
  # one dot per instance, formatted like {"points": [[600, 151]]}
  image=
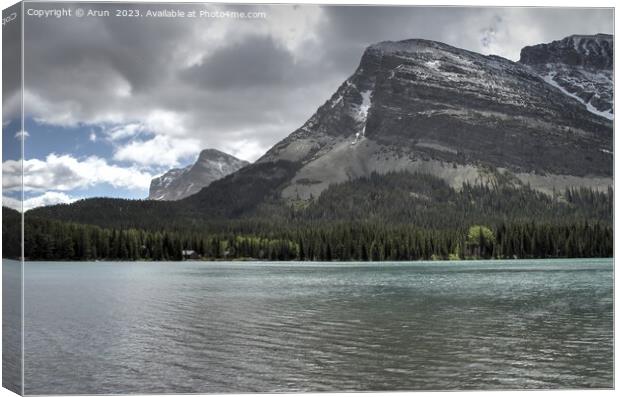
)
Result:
{"points": [[180, 183], [581, 66], [425, 106]]}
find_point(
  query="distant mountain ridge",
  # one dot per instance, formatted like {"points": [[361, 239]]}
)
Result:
{"points": [[588, 51], [581, 66], [210, 166]]}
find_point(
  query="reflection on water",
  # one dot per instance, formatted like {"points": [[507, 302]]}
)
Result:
{"points": [[241, 327]]}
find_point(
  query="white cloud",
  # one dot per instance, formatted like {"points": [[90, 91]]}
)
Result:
{"points": [[245, 149], [165, 122], [52, 112], [124, 131], [12, 175], [70, 111], [159, 151], [92, 137], [11, 203], [11, 107], [64, 173], [48, 198], [21, 134]]}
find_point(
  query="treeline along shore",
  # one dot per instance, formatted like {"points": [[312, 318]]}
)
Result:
{"points": [[381, 218], [56, 241]]}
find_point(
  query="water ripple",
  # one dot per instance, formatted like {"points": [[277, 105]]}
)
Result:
{"points": [[243, 327]]}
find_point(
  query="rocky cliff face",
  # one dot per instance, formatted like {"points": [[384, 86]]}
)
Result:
{"points": [[428, 107], [594, 52], [180, 183], [579, 66]]}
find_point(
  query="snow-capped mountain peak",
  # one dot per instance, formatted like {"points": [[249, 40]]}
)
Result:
{"points": [[210, 166], [580, 66]]}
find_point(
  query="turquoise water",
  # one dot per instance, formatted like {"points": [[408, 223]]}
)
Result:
{"points": [[184, 327]]}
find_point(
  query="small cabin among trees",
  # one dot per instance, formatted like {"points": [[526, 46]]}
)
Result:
{"points": [[189, 254]]}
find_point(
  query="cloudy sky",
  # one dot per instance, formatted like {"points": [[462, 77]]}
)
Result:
{"points": [[111, 102]]}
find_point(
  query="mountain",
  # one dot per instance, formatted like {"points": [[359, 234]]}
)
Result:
{"points": [[413, 106], [180, 183], [427, 107], [580, 66]]}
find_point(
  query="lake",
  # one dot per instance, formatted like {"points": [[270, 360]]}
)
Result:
{"points": [[184, 327]]}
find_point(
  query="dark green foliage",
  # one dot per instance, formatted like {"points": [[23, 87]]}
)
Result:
{"points": [[11, 233], [427, 201], [117, 213], [240, 193], [54, 240]]}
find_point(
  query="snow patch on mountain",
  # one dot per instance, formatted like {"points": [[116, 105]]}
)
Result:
{"points": [[549, 78], [363, 110], [433, 65], [581, 66]]}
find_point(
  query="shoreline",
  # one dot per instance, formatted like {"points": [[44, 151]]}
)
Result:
{"points": [[436, 261]]}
